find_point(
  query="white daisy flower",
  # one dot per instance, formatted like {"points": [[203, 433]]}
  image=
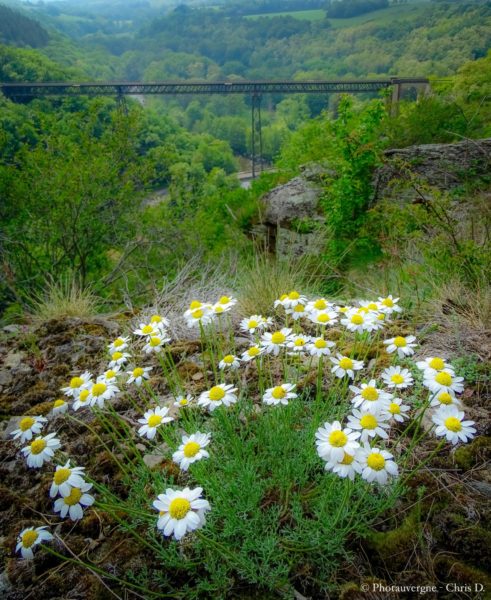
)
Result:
{"points": [[118, 359], [59, 407], [197, 316], [191, 449], [450, 424], [83, 400], [77, 384], [272, 343], [100, 392], [74, 502], [29, 538], [218, 395], [281, 301], [294, 298], [377, 464], [443, 399], [147, 330], [181, 511], [297, 312], [152, 419], [443, 381], [279, 394], [404, 346], [343, 365], [40, 450], [369, 397], [118, 345], [358, 322], [320, 347], [434, 364], [138, 375], [226, 302], [298, 344], [160, 322], [397, 377], [109, 376], [28, 426], [333, 441], [371, 306], [318, 305], [155, 343], [182, 401], [389, 305], [348, 466], [395, 410], [369, 423], [66, 477], [324, 317], [229, 362], [251, 353], [253, 323]]}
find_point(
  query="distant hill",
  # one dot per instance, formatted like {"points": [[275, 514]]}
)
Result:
{"points": [[19, 30]]}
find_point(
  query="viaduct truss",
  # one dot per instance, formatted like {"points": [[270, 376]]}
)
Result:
{"points": [[254, 89]]}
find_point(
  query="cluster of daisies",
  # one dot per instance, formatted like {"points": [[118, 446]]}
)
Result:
{"points": [[358, 447]]}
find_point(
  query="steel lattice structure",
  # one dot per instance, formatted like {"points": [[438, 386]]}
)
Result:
{"points": [[255, 89]]}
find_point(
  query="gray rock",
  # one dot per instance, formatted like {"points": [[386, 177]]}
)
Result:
{"points": [[5, 377], [297, 199], [11, 328], [12, 425], [153, 460], [13, 359]]}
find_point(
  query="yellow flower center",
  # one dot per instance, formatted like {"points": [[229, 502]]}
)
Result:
{"points": [[299, 342], [278, 337], [179, 508], [397, 378], [183, 401], [278, 392], [117, 343], [320, 343], [154, 341], [372, 306], [252, 324], [197, 314], [229, 359], [453, 424], [84, 395], [147, 329], [156, 319], [98, 389], [320, 304], [394, 409], [346, 363], [299, 308], [437, 363], [38, 446], [444, 378], [323, 318], [218, 309], [110, 374], [58, 403], [369, 393], [117, 355], [138, 372], [445, 398], [357, 319], [154, 420], [283, 297], [195, 304], [363, 309], [381, 317], [61, 475], [376, 461], [400, 341], [73, 497], [224, 300], [368, 422], [29, 537], [347, 459], [388, 302], [26, 423], [254, 351], [191, 449], [338, 439], [343, 309], [76, 382], [293, 295], [216, 393]]}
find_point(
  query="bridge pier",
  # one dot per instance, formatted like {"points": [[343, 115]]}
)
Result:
{"points": [[256, 134]]}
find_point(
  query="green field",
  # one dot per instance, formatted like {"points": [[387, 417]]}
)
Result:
{"points": [[382, 16]]}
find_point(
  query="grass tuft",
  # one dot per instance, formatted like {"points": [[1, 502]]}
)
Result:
{"points": [[63, 299]]}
